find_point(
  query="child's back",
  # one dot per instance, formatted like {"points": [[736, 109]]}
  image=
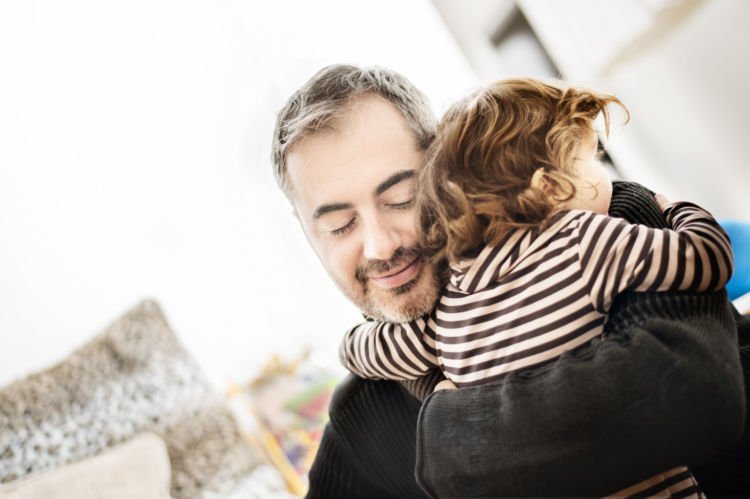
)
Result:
{"points": [[542, 292]]}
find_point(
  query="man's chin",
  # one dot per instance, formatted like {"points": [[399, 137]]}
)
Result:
{"points": [[404, 303]]}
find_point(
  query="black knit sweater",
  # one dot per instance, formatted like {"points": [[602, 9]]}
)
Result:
{"points": [[663, 388]]}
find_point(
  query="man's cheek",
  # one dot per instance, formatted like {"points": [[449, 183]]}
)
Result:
{"points": [[343, 263]]}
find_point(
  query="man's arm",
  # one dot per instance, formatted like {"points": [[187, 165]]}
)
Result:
{"points": [[664, 388], [656, 393]]}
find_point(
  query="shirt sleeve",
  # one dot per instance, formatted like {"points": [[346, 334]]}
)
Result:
{"points": [[694, 255], [386, 350]]}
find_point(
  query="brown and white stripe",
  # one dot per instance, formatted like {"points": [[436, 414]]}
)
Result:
{"points": [[541, 293]]}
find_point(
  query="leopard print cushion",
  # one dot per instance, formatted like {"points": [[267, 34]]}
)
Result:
{"points": [[133, 377]]}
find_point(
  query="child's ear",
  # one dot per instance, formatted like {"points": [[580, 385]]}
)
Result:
{"points": [[540, 181]]}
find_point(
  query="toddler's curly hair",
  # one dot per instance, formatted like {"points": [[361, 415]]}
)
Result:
{"points": [[477, 181]]}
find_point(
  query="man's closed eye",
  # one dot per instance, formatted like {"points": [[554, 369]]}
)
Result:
{"points": [[344, 228]]}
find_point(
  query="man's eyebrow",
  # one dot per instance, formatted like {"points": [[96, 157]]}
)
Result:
{"points": [[327, 208], [393, 180]]}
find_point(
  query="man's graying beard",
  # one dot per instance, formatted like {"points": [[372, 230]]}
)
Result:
{"points": [[383, 266]]}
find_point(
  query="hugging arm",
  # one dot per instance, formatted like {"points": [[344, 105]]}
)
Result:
{"points": [[385, 350], [663, 388], [694, 255]]}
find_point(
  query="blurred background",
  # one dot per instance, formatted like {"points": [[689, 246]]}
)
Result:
{"points": [[135, 143]]}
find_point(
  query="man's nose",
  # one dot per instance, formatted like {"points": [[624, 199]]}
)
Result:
{"points": [[382, 239]]}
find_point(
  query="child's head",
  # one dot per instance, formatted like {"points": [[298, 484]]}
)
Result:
{"points": [[509, 156]]}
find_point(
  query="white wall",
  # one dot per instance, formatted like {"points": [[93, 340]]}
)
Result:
{"points": [[686, 84], [682, 67], [134, 146]]}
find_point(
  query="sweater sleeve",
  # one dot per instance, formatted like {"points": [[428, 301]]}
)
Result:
{"points": [[385, 350], [663, 389]]}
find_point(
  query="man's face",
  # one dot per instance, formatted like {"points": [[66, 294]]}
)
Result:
{"points": [[353, 191]]}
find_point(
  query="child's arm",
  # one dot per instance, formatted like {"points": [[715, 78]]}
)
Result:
{"points": [[695, 255], [384, 350]]}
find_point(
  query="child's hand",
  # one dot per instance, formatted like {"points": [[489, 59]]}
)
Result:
{"points": [[446, 384], [662, 202]]}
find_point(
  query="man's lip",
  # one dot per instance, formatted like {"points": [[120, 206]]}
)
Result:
{"points": [[400, 277]]}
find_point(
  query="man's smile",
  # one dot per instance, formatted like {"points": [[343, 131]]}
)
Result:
{"points": [[399, 276]]}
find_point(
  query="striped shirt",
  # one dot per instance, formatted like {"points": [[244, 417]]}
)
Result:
{"points": [[541, 292]]}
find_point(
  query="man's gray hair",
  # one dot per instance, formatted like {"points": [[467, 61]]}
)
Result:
{"points": [[328, 96]]}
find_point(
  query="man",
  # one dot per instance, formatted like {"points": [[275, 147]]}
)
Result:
{"points": [[663, 389]]}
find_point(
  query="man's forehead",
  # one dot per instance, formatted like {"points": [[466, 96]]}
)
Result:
{"points": [[344, 182], [353, 158]]}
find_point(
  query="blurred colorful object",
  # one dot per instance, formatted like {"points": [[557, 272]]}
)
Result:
{"points": [[288, 402], [739, 233]]}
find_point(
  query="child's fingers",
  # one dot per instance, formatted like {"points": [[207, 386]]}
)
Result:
{"points": [[446, 384], [661, 201]]}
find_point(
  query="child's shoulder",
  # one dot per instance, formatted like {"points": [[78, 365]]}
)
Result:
{"points": [[573, 216], [579, 215], [584, 220]]}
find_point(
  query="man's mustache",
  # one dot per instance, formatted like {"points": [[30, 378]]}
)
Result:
{"points": [[382, 266]]}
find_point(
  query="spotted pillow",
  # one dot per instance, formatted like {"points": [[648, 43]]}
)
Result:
{"points": [[133, 377]]}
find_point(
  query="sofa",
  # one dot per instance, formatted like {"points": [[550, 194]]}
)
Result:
{"points": [[128, 414]]}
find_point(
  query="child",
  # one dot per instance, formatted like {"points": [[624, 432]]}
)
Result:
{"points": [[515, 199]]}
